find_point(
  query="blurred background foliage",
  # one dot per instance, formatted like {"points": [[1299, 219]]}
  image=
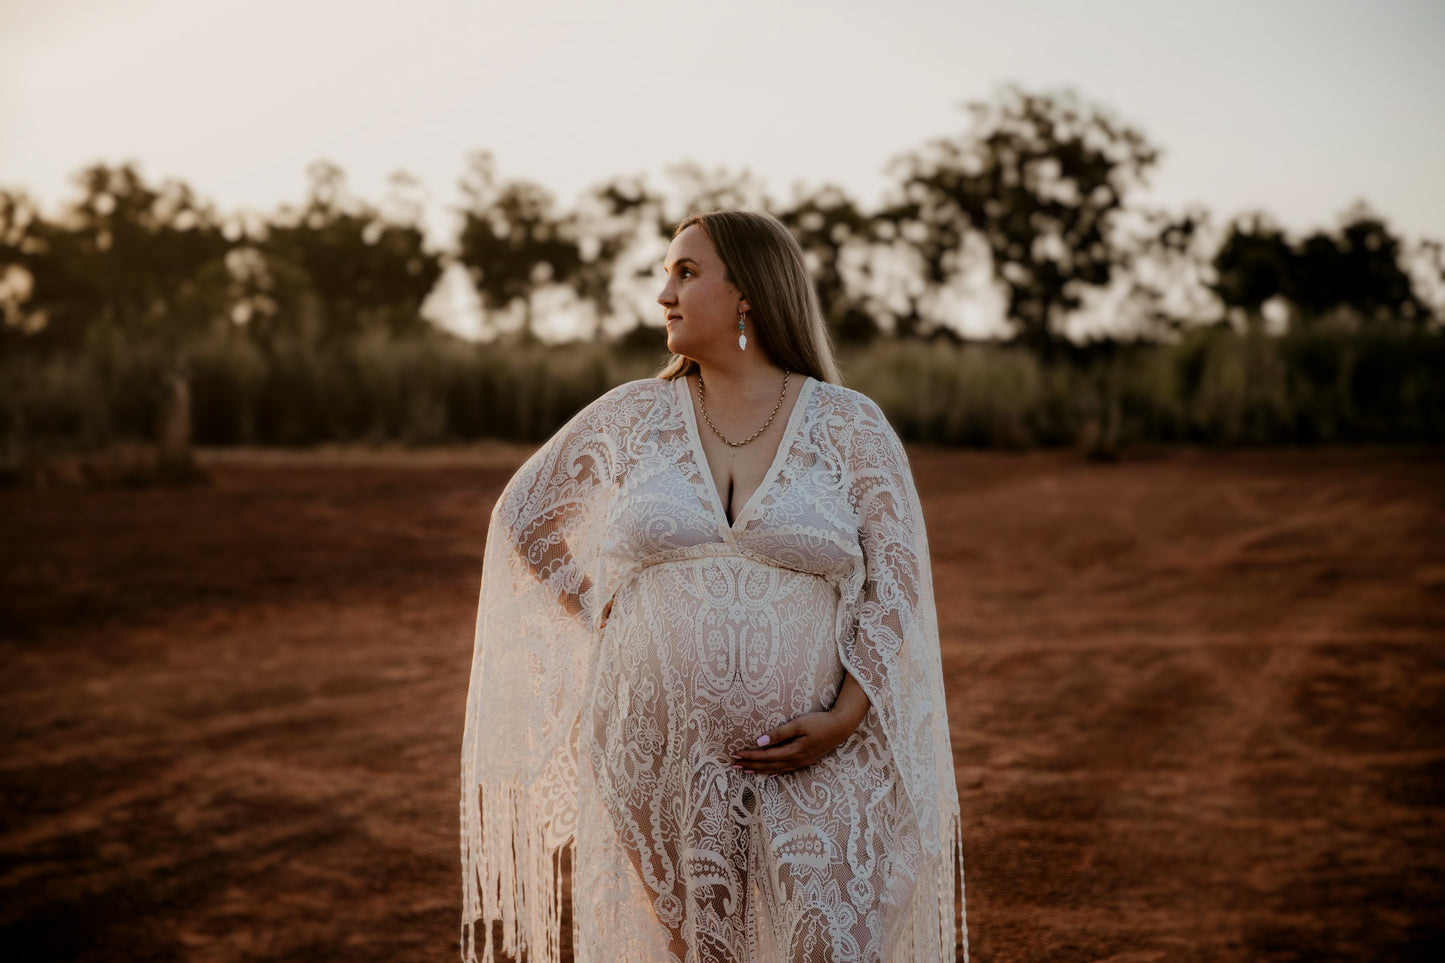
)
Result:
{"points": [[306, 325]]}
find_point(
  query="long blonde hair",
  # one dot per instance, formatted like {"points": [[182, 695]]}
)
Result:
{"points": [[764, 261]]}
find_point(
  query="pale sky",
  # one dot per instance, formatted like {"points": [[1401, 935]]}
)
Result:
{"points": [[1298, 107]]}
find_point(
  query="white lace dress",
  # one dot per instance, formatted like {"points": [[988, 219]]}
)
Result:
{"points": [[617, 740]]}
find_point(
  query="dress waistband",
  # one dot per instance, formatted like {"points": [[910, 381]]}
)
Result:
{"points": [[710, 550], [720, 550]]}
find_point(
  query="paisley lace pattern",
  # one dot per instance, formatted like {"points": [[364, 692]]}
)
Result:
{"points": [[612, 742]]}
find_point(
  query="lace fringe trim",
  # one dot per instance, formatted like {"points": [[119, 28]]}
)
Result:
{"points": [[947, 912], [512, 874]]}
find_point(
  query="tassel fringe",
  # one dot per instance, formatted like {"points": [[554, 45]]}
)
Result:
{"points": [[951, 911], [957, 821], [511, 874]]}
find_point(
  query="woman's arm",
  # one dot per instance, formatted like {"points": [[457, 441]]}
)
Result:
{"points": [[852, 704], [550, 501], [880, 484]]}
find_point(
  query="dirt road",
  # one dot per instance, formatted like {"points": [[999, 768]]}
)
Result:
{"points": [[1197, 701]]}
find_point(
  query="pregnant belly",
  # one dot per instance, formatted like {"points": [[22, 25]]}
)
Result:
{"points": [[709, 653]]}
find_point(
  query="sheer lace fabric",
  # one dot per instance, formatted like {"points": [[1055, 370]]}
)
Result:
{"points": [[615, 740]]}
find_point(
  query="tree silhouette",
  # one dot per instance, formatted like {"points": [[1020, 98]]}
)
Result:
{"points": [[1041, 177], [825, 221], [18, 214], [1425, 262], [368, 269], [1171, 270], [1360, 268], [513, 239], [613, 220], [1252, 266], [143, 261], [697, 188]]}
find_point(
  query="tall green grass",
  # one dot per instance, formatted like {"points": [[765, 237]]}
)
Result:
{"points": [[1384, 384], [372, 390], [1215, 386]]}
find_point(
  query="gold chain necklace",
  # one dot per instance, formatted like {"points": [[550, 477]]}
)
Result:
{"points": [[702, 402]]}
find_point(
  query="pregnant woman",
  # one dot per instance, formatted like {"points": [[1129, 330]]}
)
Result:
{"points": [[706, 664]]}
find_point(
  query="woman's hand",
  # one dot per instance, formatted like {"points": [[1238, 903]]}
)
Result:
{"points": [[808, 738], [796, 744]]}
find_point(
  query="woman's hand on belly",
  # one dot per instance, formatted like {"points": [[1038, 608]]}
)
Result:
{"points": [[808, 738], [796, 744]]}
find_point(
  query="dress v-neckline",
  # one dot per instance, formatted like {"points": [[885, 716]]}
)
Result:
{"points": [[784, 445]]}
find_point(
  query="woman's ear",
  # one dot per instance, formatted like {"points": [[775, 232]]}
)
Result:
{"points": [[743, 304]]}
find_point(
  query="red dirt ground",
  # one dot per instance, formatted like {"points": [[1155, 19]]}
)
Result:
{"points": [[1197, 701]]}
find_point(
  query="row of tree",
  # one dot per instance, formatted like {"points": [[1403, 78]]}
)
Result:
{"points": [[1034, 198]]}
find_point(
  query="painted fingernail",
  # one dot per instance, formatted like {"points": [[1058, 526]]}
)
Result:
{"points": [[736, 766], [749, 771], [763, 740]]}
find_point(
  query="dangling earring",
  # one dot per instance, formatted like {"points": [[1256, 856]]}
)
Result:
{"points": [[742, 338]]}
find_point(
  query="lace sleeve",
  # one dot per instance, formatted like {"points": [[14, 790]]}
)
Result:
{"points": [[893, 617], [531, 662], [552, 501], [892, 545], [893, 651]]}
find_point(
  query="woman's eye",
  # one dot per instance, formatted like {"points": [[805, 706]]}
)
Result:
{"points": [[686, 271]]}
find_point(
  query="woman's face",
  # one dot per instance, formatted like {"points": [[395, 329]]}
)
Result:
{"points": [[702, 307]]}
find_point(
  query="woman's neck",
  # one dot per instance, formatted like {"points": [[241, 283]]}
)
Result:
{"points": [[742, 382]]}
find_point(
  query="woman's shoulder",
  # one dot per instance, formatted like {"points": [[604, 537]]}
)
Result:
{"points": [[858, 428], [849, 403], [628, 396], [643, 388], [611, 415]]}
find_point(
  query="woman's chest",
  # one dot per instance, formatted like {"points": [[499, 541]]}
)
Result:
{"points": [[798, 514], [738, 473]]}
